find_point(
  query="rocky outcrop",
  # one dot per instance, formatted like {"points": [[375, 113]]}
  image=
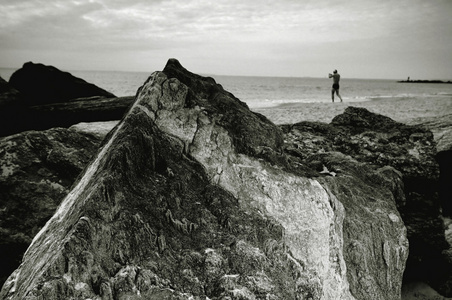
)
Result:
{"points": [[8, 95], [42, 117], [444, 159], [37, 172], [40, 97], [41, 84], [10, 105], [377, 140], [441, 128], [192, 195]]}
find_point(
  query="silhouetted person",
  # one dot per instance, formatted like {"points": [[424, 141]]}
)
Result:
{"points": [[335, 89]]}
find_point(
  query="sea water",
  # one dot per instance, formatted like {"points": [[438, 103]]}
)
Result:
{"points": [[260, 92]]}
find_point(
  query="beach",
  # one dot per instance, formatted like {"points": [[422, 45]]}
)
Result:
{"points": [[411, 111], [405, 110]]}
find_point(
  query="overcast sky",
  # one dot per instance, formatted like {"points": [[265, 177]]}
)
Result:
{"points": [[361, 38]]}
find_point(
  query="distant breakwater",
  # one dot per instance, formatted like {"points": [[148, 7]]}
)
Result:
{"points": [[424, 81]]}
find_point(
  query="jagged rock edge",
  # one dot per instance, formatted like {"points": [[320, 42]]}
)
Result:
{"points": [[190, 142], [216, 177]]}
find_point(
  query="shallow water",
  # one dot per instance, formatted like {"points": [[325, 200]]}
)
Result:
{"points": [[261, 92]]}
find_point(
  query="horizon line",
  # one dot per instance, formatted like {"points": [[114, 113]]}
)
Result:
{"points": [[229, 75]]}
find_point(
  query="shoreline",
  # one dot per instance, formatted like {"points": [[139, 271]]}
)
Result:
{"points": [[410, 111], [404, 110], [424, 81]]}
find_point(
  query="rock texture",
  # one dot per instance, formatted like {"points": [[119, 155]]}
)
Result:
{"points": [[37, 172], [193, 196], [377, 140], [41, 84]]}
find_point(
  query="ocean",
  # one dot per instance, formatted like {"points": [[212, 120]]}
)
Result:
{"points": [[261, 92]]}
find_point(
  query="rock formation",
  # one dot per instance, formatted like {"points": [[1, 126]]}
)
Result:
{"points": [[10, 105], [377, 140], [41, 84], [8, 94], [40, 97], [66, 114], [192, 195], [37, 172], [442, 130]]}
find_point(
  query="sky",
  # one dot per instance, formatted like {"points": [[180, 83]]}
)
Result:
{"points": [[388, 39]]}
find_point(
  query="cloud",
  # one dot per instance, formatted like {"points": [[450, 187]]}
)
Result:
{"points": [[249, 35]]}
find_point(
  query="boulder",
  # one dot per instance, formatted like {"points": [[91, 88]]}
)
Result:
{"points": [[37, 171], [41, 84], [376, 140], [192, 195], [441, 128], [444, 159], [10, 106], [66, 114], [40, 97]]}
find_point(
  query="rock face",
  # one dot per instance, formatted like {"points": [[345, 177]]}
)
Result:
{"points": [[10, 105], [18, 114], [40, 97], [66, 114], [8, 94], [377, 140], [37, 171], [41, 84], [192, 196], [442, 130]]}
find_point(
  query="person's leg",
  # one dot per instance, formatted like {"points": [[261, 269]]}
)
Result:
{"points": [[337, 92], [332, 95]]}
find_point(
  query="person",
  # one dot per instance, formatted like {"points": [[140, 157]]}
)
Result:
{"points": [[336, 77]]}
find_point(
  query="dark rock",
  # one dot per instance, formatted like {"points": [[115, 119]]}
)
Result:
{"points": [[188, 199], [8, 95], [441, 128], [38, 169], [40, 97], [424, 81], [444, 159], [42, 117], [41, 84], [10, 106]]}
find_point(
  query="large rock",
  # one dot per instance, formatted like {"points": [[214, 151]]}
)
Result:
{"points": [[378, 140], [66, 114], [40, 84], [21, 118], [441, 128], [40, 97], [8, 94], [10, 106], [193, 196], [37, 172]]}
